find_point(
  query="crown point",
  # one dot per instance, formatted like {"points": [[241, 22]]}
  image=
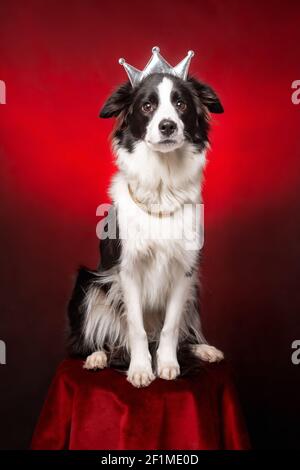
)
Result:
{"points": [[155, 49], [121, 61], [191, 53]]}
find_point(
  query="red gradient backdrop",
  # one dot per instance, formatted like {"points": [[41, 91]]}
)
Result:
{"points": [[59, 63]]}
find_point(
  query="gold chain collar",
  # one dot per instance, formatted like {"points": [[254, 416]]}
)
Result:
{"points": [[143, 206]]}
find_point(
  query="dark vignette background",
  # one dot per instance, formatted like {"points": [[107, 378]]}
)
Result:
{"points": [[59, 62]]}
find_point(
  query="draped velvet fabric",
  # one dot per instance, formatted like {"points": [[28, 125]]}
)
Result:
{"points": [[101, 410]]}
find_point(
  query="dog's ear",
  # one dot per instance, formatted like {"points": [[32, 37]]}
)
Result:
{"points": [[118, 101], [207, 96]]}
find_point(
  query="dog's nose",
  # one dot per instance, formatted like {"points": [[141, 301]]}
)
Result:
{"points": [[167, 127]]}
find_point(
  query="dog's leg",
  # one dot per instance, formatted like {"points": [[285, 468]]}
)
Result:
{"points": [[94, 328], [167, 363], [140, 369]]}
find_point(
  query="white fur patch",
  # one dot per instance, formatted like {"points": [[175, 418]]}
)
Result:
{"points": [[165, 110], [104, 321]]}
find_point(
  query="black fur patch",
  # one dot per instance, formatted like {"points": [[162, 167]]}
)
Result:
{"points": [[110, 247], [76, 312]]}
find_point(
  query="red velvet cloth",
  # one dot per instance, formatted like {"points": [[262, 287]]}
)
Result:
{"points": [[101, 410]]}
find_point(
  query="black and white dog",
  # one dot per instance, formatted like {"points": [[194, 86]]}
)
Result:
{"points": [[141, 302]]}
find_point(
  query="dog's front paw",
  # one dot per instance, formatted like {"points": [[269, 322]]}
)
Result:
{"points": [[140, 376], [168, 370], [207, 353], [97, 360]]}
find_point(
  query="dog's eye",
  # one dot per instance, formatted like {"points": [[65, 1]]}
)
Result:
{"points": [[181, 105], [147, 107]]}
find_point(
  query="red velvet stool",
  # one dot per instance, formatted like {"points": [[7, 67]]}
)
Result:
{"points": [[101, 410]]}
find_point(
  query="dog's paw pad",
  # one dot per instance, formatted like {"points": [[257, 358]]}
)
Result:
{"points": [[97, 360], [168, 371], [140, 377], [208, 353]]}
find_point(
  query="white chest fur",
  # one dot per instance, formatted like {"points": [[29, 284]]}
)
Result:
{"points": [[157, 249]]}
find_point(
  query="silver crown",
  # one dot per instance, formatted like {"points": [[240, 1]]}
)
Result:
{"points": [[157, 64]]}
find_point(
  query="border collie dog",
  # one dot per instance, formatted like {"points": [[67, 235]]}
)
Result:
{"points": [[140, 307]]}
